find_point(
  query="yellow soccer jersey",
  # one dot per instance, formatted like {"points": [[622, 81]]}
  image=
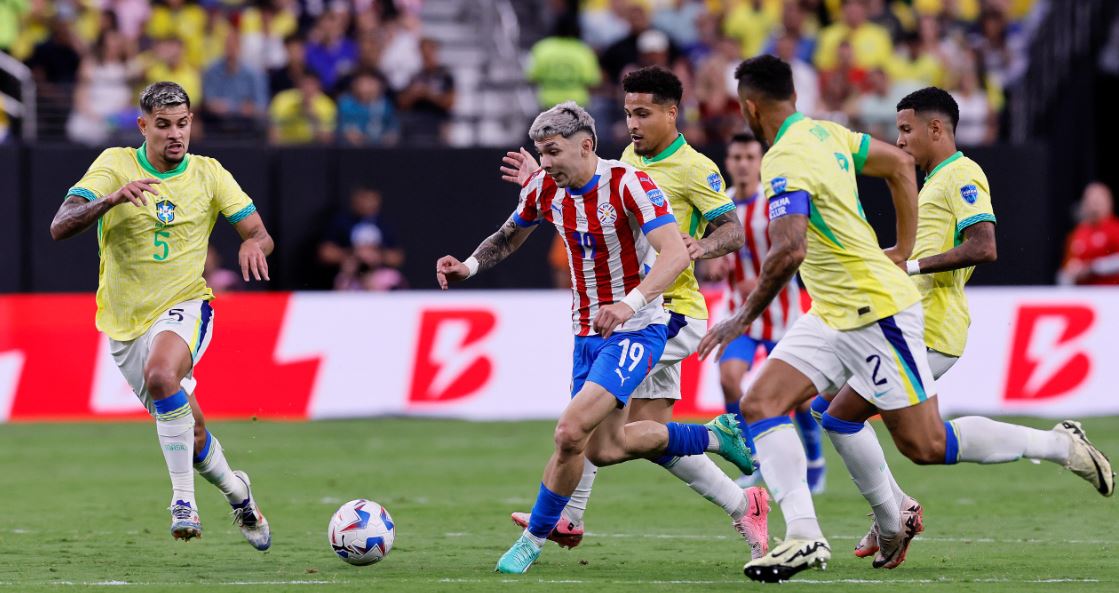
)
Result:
{"points": [[955, 196], [152, 256], [850, 279], [695, 191]]}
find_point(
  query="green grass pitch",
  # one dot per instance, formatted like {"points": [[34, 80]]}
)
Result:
{"points": [[82, 508]]}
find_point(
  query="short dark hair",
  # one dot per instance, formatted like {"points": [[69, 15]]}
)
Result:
{"points": [[163, 94], [932, 100], [662, 84], [744, 138], [768, 75]]}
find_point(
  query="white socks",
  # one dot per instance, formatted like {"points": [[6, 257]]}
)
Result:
{"points": [[784, 466], [211, 464], [701, 474], [983, 440], [176, 438], [577, 505], [866, 462]]}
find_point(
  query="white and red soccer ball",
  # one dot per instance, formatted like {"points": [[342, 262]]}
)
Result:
{"points": [[361, 532]]}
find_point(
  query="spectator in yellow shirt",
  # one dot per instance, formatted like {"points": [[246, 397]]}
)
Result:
{"points": [[167, 63], [185, 20], [870, 42], [303, 115]]}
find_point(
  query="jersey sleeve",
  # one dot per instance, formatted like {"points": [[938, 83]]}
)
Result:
{"points": [[234, 204], [705, 186], [101, 179], [527, 213], [970, 200], [859, 145], [787, 189], [644, 201]]}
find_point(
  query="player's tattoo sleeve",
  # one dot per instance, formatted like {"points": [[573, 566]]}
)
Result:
{"points": [[726, 236], [499, 245], [787, 251], [977, 247], [76, 215]]}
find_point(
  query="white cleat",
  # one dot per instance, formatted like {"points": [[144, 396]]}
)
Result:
{"points": [[787, 559], [185, 524], [248, 517], [1085, 460]]}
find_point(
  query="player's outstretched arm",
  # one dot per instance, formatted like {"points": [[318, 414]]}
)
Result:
{"points": [[518, 167], [978, 247], [78, 214], [899, 170], [672, 259], [256, 246], [788, 246], [492, 250], [727, 236]]}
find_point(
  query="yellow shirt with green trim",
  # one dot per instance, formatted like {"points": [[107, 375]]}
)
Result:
{"points": [[152, 256], [850, 279], [955, 196], [694, 188]]}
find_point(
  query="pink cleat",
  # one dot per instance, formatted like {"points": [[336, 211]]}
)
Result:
{"points": [[891, 551], [868, 545], [565, 533], [754, 525]]}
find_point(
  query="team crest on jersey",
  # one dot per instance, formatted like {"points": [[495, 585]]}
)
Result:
{"points": [[165, 211], [970, 193], [656, 196], [607, 214], [715, 182], [778, 184]]}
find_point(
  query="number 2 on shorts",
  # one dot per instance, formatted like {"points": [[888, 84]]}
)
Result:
{"points": [[877, 365]]}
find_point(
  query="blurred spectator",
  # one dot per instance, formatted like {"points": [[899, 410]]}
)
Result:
{"points": [[1092, 251], [917, 63], [236, 96], [264, 28], [11, 13], [624, 52], [400, 56], [331, 54], [794, 24], [805, 80], [428, 98], [131, 16], [368, 60], [103, 102], [716, 91], [166, 62], [3, 122], [218, 278], [284, 78], [360, 247], [55, 61], [184, 20], [880, 14], [303, 115], [365, 114], [678, 19], [870, 43], [605, 26], [840, 84], [875, 111], [1000, 47], [563, 67], [750, 22], [707, 37], [978, 122]]}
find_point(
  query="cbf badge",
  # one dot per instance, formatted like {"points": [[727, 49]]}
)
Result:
{"points": [[165, 211], [970, 193], [715, 182]]}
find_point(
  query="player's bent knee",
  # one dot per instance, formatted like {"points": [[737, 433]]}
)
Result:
{"points": [[161, 382], [759, 405], [569, 439]]}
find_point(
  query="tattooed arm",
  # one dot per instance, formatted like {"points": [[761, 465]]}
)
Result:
{"points": [[492, 250], [78, 214], [726, 236]]}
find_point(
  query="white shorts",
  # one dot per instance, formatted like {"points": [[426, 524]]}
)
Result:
{"points": [[884, 362], [663, 381], [940, 362], [193, 321]]}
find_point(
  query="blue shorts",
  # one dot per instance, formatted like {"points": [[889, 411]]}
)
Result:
{"points": [[744, 348], [618, 363]]}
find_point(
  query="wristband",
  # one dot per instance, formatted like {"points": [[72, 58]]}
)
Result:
{"points": [[913, 267], [635, 300], [471, 264]]}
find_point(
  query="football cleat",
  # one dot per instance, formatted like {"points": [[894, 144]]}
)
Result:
{"points": [[248, 517], [754, 525], [1085, 460], [185, 524], [891, 550], [565, 533], [519, 558], [732, 446], [787, 559], [817, 476], [868, 545]]}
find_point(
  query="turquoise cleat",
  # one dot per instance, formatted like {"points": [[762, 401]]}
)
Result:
{"points": [[519, 558], [732, 447]]}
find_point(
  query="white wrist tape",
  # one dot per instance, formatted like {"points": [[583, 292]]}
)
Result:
{"points": [[913, 267], [471, 264], [635, 300]]}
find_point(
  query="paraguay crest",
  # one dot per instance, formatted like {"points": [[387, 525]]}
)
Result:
{"points": [[607, 214], [165, 211]]}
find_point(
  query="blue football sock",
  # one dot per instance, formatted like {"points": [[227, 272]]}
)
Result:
{"points": [[686, 439], [810, 434], [735, 408], [546, 512]]}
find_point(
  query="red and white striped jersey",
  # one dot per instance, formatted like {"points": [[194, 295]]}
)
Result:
{"points": [[786, 306], [603, 226]]}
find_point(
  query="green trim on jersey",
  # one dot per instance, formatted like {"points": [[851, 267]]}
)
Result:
{"points": [[864, 151], [789, 121], [677, 144], [241, 214], [943, 164], [81, 192], [962, 226], [717, 212], [817, 221], [142, 156], [693, 226]]}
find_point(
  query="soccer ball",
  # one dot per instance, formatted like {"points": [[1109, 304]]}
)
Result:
{"points": [[361, 532]]}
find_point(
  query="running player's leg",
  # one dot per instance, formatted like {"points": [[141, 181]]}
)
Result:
{"points": [[810, 434], [733, 366]]}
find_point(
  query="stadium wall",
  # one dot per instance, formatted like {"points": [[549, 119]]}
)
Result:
{"points": [[499, 355], [437, 201]]}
